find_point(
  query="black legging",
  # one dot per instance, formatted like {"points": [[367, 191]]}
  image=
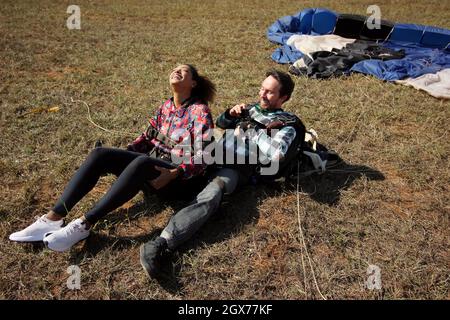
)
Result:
{"points": [[132, 168]]}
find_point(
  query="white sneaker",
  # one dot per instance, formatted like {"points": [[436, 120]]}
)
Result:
{"points": [[66, 237], [37, 230]]}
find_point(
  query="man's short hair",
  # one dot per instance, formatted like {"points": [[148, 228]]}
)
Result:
{"points": [[285, 80]]}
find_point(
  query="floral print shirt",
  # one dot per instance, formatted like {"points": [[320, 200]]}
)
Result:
{"points": [[185, 126]]}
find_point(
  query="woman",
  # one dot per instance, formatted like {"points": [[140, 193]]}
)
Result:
{"points": [[184, 117]]}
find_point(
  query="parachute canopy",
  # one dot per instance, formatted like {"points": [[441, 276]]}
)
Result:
{"points": [[426, 47]]}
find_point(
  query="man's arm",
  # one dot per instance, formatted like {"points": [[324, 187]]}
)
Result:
{"points": [[229, 119], [275, 147]]}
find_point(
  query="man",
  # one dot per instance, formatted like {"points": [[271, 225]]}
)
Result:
{"points": [[274, 138]]}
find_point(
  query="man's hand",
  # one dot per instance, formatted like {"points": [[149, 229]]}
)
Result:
{"points": [[236, 111], [164, 178]]}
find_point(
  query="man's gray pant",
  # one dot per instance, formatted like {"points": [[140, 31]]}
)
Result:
{"points": [[188, 220]]}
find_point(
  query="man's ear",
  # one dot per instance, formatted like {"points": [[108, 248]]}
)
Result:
{"points": [[194, 84], [284, 98]]}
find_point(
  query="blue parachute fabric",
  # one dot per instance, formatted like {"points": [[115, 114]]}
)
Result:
{"points": [[418, 60], [286, 54], [423, 46], [410, 33], [305, 19], [435, 37], [427, 36], [323, 22], [426, 48], [316, 21], [282, 29]]}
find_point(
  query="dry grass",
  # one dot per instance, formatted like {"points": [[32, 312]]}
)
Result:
{"points": [[388, 206]]}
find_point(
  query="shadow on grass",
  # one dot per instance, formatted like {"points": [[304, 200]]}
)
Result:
{"points": [[240, 209], [236, 211], [35, 247], [326, 188]]}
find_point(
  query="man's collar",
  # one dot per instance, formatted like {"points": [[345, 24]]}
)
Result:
{"points": [[266, 111]]}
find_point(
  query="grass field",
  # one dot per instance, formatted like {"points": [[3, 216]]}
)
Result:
{"points": [[387, 206]]}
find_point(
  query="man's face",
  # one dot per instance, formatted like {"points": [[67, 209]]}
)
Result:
{"points": [[269, 94]]}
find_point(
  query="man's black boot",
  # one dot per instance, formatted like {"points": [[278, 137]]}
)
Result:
{"points": [[150, 255]]}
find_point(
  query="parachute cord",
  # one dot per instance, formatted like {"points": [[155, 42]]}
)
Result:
{"points": [[98, 126], [302, 238], [300, 227]]}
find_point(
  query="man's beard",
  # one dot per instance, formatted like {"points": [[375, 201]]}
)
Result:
{"points": [[266, 105]]}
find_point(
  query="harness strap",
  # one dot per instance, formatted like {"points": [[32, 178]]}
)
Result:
{"points": [[155, 134]]}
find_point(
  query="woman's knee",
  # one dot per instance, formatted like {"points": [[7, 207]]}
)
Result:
{"points": [[141, 164], [98, 153]]}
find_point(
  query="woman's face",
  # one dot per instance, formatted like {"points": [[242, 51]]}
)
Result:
{"points": [[181, 77]]}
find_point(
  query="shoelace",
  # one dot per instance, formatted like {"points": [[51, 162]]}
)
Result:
{"points": [[73, 227], [43, 219], [36, 220]]}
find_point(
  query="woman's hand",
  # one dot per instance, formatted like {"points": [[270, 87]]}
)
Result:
{"points": [[164, 178]]}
